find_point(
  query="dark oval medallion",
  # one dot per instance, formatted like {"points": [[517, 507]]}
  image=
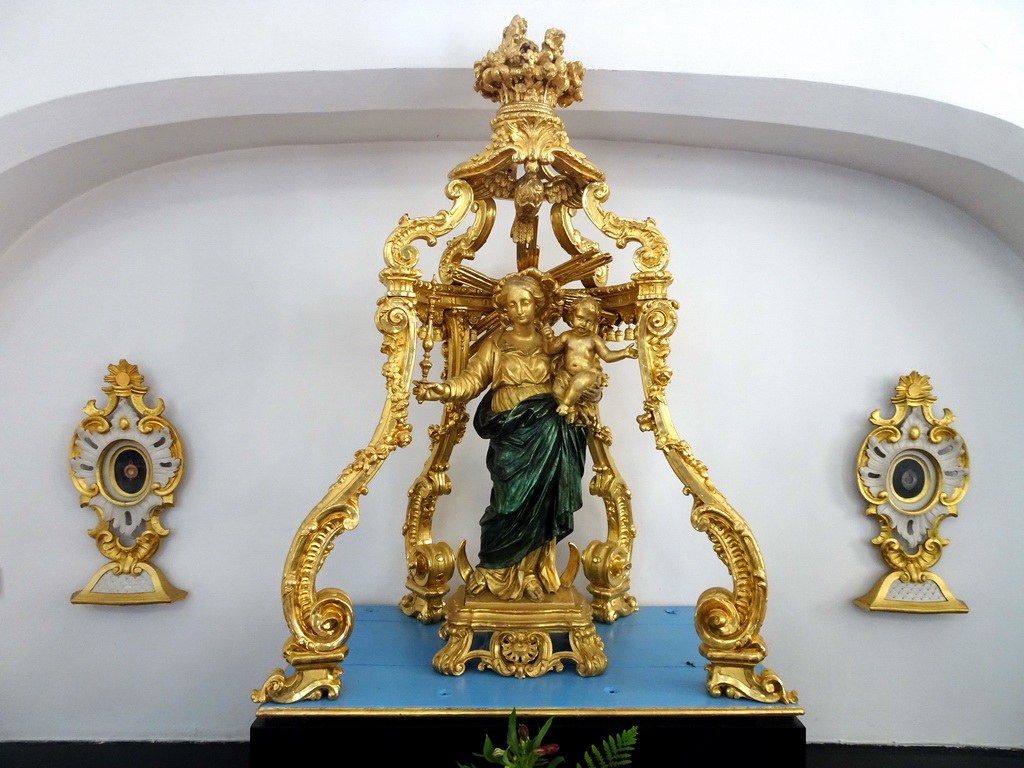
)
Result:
{"points": [[129, 472], [909, 478]]}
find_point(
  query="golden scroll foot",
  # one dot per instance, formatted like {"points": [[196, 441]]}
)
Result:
{"points": [[607, 568], [427, 609], [607, 607], [315, 674], [521, 636], [430, 567], [738, 678]]}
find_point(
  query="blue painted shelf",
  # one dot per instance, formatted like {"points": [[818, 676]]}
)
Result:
{"points": [[654, 668]]}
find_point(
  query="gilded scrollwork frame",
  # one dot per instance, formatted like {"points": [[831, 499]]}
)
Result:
{"points": [[909, 541], [128, 529]]}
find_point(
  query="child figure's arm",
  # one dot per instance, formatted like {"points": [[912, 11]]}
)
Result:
{"points": [[552, 345], [613, 355]]}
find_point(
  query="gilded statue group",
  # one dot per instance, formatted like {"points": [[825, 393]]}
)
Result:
{"points": [[534, 415], [515, 613]]}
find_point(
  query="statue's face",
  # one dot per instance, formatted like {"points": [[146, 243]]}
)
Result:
{"points": [[584, 318], [521, 306]]}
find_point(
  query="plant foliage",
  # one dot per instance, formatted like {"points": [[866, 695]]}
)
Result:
{"points": [[526, 752], [616, 751]]}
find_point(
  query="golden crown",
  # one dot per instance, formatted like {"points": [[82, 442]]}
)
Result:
{"points": [[520, 71]]}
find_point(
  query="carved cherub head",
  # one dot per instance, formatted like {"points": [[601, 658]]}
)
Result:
{"points": [[585, 315]]}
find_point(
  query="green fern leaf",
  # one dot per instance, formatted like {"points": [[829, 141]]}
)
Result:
{"points": [[616, 751]]}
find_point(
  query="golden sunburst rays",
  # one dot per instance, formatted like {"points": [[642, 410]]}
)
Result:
{"points": [[124, 379]]}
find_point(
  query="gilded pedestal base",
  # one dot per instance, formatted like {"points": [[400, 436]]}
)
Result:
{"points": [[881, 598], [520, 636], [163, 591]]}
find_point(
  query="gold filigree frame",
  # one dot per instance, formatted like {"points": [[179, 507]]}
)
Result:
{"points": [[909, 541], [126, 425], [457, 309]]}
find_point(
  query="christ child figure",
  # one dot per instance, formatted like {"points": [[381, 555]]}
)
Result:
{"points": [[583, 351]]}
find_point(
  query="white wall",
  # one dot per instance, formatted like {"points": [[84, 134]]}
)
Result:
{"points": [[963, 54], [243, 284]]}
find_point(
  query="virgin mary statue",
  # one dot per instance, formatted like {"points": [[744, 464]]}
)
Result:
{"points": [[535, 456]]}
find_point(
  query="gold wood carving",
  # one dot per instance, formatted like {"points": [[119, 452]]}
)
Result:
{"points": [[431, 564], [321, 620], [727, 621], [583, 252], [465, 246], [530, 163], [520, 643], [128, 529], [909, 540], [606, 564], [529, 81]]}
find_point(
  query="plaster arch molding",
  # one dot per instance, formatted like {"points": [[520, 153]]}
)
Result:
{"points": [[54, 151]]}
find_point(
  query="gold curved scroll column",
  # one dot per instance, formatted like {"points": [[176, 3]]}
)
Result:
{"points": [[431, 564], [320, 621], [606, 564], [727, 621], [465, 246], [580, 249]]}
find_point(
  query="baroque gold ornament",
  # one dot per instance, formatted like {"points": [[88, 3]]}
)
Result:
{"points": [[913, 470], [125, 462], [516, 614]]}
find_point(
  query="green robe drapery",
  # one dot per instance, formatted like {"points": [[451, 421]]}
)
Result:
{"points": [[536, 463]]}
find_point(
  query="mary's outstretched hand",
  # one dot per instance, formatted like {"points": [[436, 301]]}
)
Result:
{"points": [[424, 391]]}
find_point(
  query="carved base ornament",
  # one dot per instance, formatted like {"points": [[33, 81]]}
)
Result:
{"points": [[539, 410], [913, 470], [125, 462], [520, 639]]}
